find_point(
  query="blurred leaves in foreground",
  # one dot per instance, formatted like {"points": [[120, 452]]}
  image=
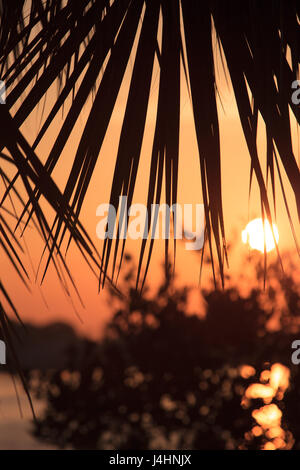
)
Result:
{"points": [[165, 378]]}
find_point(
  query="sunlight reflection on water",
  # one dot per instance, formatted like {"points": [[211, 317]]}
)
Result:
{"points": [[273, 384]]}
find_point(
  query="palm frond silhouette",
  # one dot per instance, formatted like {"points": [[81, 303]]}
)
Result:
{"points": [[85, 47]]}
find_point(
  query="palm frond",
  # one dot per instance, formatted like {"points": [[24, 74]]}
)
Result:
{"points": [[85, 46]]}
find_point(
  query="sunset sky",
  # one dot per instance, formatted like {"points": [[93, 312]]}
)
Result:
{"points": [[237, 210]]}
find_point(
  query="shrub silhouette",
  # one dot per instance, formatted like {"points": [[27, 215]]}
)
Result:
{"points": [[163, 379]]}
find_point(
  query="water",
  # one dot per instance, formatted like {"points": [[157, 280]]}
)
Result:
{"points": [[14, 430]]}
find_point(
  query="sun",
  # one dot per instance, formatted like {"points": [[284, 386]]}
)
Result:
{"points": [[257, 234]]}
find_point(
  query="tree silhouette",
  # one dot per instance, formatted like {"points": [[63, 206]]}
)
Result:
{"points": [[163, 379]]}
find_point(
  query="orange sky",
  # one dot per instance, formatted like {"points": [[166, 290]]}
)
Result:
{"points": [[235, 181]]}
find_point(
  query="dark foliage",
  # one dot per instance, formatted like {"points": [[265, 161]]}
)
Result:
{"points": [[162, 378], [85, 46]]}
